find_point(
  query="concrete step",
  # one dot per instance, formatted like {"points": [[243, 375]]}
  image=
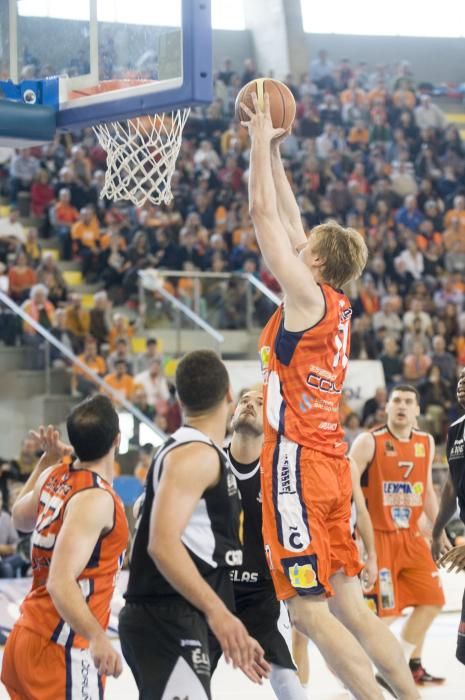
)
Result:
{"points": [[27, 383], [15, 358], [237, 344]]}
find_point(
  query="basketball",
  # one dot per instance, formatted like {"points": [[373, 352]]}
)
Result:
{"points": [[282, 103]]}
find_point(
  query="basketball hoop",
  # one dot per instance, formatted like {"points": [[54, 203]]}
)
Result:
{"points": [[141, 156]]}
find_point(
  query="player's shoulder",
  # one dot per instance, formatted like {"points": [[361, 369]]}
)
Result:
{"points": [[417, 433], [379, 431], [457, 424]]}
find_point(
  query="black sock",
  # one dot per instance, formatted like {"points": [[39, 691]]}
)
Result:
{"points": [[414, 664]]}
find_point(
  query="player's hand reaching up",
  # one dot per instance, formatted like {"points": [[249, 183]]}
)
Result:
{"points": [[106, 659], [237, 646], [48, 440], [259, 123]]}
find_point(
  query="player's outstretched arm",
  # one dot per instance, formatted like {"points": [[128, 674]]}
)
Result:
{"points": [[288, 209], [178, 492], [362, 452], [293, 275], [365, 528], [88, 515]]}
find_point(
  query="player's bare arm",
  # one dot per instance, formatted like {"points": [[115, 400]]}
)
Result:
{"points": [[294, 276], [440, 544], [288, 209], [362, 451], [178, 492], [365, 528], [430, 504], [24, 511], [88, 515]]}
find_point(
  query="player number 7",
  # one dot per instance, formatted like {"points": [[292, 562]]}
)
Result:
{"points": [[408, 466]]}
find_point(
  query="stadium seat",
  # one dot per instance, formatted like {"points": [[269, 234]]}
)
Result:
{"points": [[128, 489], [53, 251], [73, 278]]}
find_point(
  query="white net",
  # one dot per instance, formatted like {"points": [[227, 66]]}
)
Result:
{"points": [[141, 156]]}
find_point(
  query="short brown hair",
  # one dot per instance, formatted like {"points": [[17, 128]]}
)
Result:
{"points": [[344, 251], [202, 381], [407, 388]]}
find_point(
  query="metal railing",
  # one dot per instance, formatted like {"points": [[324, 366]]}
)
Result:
{"points": [[153, 280], [152, 283], [66, 352]]}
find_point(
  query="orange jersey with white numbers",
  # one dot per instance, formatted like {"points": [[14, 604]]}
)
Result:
{"points": [[96, 581], [394, 483], [303, 374]]}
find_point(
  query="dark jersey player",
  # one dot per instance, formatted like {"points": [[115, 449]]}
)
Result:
{"points": [[255, 599], [454, 489], [186, 541]]}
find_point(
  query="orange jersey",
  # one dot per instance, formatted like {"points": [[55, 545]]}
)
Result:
{"points": [[303, 373], [394, 483], [97, 580]]}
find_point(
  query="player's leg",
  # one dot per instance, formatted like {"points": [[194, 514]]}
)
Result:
{"points": [[166, 647], [374, 636], [342, 652], [300, 655], [264, 617], [419, 586]]}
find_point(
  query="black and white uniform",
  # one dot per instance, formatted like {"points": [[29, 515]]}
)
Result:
{"points": [[455, 452], [255, 598], [163, 637]]}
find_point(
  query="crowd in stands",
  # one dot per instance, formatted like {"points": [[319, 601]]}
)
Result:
{"points": [[369, 148]]}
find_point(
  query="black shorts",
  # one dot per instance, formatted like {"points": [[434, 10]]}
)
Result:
{"points": [[166, 647], [259, 611], [460, 653]]}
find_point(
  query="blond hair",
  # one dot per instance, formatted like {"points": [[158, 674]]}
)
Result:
{"points": [[343, 250]]}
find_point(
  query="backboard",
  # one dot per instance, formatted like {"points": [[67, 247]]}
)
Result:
{"points": [[96, 61]]}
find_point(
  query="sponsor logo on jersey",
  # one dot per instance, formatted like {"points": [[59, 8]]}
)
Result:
{"points": [[419, 449], [345, 315], [200, 662], [401, 516], [285, 486], [389, 448], [265, 357], [305, 403], [372, 603], [231, 484], [259, 497], [402, 493], [302, 576], [330, 427], [244, 576], [191, 643], [326, 386], [457, 450], [233, 557], [85, 668]]}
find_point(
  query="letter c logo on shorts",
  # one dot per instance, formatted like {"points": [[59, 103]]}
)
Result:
{"points": [[295, 541]]}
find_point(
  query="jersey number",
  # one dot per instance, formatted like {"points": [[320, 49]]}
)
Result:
{"points": [[341, 345], [408, 466], [50, 513]]}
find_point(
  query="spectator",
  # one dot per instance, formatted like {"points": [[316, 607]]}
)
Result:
{"points": [[27, 459], [444, 360], [143, 463], [352, 428], [388, 318], [85, 235], [139, 399], [12, 564], [22, 277], [428, 115], [155, 385], [321, 69], [409, 215], [82, 383], [11, 232], [377, 403], [42, 194], [120, 381], [63, 216], [48, 273], [416, 364], [152, 353], [99, 325], [77, 321], [120, 328], [61, 333], [436, 397], [23, 168], [392, 364], [121, 352], [42, 311]]}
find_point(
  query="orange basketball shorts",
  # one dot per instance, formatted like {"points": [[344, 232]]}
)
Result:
{"points": [[307, 535], [34, 668], [407, 574]]}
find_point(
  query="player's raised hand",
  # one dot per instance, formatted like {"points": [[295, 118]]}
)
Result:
{"points": [[106, 659], [48, 440], [454, 559], [259, 123]]}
